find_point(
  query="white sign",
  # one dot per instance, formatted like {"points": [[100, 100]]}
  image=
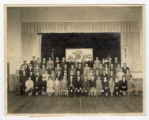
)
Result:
{"points": [[83, 54]]}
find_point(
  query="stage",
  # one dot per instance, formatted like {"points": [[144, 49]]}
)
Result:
{"points": [[58, 105]]}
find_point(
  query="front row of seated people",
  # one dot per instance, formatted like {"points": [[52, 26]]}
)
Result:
{"points": [[80, 87]]}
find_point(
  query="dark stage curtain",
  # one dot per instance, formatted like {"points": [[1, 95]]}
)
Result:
{"points": [[103, 44]]}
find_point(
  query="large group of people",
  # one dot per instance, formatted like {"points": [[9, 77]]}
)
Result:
{"points": [[58, 77]]}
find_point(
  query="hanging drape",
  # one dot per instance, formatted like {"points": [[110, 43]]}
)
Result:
{"points": [[130, 36]]}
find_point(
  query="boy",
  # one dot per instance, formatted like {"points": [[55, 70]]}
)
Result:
{"points": [[29, 86]]}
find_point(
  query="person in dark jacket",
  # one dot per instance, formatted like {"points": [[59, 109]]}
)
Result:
{"points": [[106, 86], [85, 86], [92, 84], [78, 86], [71, 86], [123, 85], [23, 79]]}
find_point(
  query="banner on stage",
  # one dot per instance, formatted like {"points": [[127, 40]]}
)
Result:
{"points": [[83, 54]]}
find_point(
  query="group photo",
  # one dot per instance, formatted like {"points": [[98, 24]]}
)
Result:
{"points": [[75, 60]]}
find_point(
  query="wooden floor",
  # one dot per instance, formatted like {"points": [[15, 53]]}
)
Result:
{"points": [[102, 104]]}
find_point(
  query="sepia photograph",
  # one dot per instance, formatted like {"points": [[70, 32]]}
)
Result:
{"points": [[74, 60]]}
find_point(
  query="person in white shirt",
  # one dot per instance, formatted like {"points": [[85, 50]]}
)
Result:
{"points": [[50, 87], [29, 86]]}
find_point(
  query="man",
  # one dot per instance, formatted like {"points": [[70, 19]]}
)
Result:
{"points": [[29, 86], [36, 86], [44, 86], [132, 87], [92, 84], [78, 86], [33, 61], [23, 79], [71, 86], [85, 86], [50, 63], [97, 62], [123, 85], [125, 68], [106, 86]]}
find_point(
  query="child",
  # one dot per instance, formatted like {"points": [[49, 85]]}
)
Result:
{"points": [[123, 86], [98, 86], [29, 86], [106, 86], [111, 86], [50, 89], [63, 87], [57, 87]]}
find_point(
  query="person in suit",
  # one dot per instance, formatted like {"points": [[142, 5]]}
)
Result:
{"points": [[63, 87], [123, 85], [98, 85], [125, 68], [36, 86], [78, 86], [92, 84], [106, 86], [132, 87], [117, 87], [116, 62], [29, 87], [32, 76], [42, 70], [29, 69], [63, 62], [33, 61], [50, 87], [44, 86], [50, 63], [97, 62], [79, 68], [43, 62], [23, 79], [57, 61], [71, 86], [85, 86]]}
